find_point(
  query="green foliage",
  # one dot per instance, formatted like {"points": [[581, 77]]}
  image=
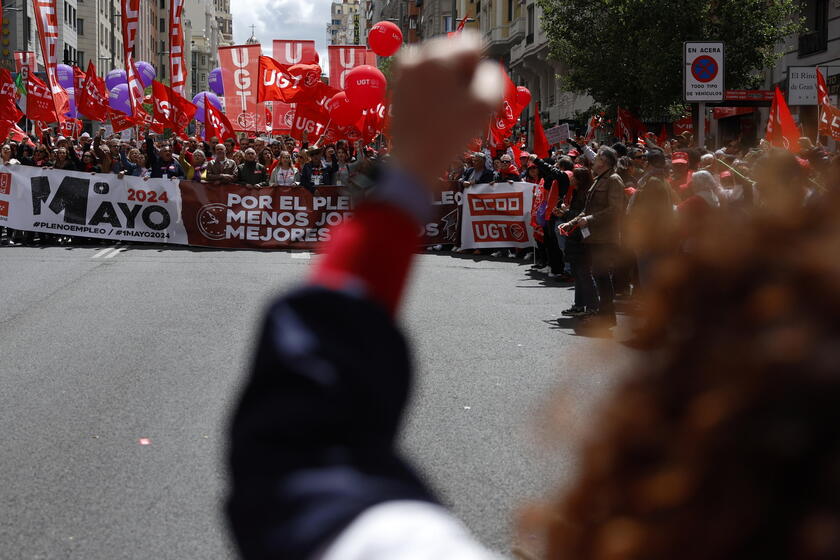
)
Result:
{"points": [[630, 52]]}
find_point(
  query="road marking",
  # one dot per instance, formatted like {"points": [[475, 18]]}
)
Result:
{"points": [[303, 255], [102, 252], [109, 253], [115, 253]]}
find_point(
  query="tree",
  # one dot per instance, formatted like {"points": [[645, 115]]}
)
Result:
{"points": [[630, 52]]}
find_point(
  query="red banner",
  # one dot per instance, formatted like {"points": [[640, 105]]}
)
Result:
{"points": [[92, 98], [46, 19], [240, 74], [294, 52], [283, 115], [26, 62], [342, 60], [177, 60], [224, 215], [130, 13]]}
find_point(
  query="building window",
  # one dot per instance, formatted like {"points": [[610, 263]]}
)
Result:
{"points": [[80, 56], [162, 25], [530, 37], [80, 26], [815, 37], [510, 10]]}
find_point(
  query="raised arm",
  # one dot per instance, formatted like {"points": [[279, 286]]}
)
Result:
{"points": [[314, 436]]}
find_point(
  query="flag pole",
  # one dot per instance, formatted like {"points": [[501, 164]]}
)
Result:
{"points": [[819, 110]]}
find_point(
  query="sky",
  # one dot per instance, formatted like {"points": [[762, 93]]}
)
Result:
{"points": [[282, 19]]}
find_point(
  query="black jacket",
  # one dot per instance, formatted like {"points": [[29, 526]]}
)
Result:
{"points": [[306, 173], [314, 436]]}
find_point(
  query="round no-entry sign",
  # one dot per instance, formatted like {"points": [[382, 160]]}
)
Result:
{"points": [[704, 69]]}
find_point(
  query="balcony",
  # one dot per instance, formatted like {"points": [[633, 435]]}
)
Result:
{"points": [[502, 38]]}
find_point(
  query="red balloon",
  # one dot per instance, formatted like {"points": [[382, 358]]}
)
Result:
{"points": [[385, 38], [523, 96], [365, 86], [342, 111]]}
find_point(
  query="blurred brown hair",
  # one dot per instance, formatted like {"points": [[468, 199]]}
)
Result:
{"points": [[725, 443]]}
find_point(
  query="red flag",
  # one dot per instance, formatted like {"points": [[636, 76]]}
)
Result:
{"points": [[309, 119], [135, 86], [830, 121], [627, 125], [121, 121], [217, 124], [342, 60], [9, 128], [782, 131], [170, 107], [663, 136], [46, 19], [540, 141], [71, 128], [130, 13], [822, 89], [593, 125], [290, 84], [177, 60], [294, 52], [39, 100], [503, 121], [8, 98], [282, 116], [829, 115], [92, 98], [78, 78]]}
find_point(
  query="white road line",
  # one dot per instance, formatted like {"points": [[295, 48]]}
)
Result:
{"points": [[115, 253], [102, 252], [302, 255]]}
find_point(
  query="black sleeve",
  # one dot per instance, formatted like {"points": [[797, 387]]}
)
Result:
{"points": [[313, 439]]}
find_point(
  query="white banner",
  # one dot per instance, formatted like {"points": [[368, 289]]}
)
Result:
{"points": [[497, 216], [97, 205]]}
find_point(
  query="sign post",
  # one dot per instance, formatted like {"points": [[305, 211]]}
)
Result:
{"points": [[704, 71]]}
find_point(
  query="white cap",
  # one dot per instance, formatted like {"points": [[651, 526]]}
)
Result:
{"points": [[85, 135]]}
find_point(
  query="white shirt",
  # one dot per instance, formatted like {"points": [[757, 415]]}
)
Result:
{"points": [[405, 530]]}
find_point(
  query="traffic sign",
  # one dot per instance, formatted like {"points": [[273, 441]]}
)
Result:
{"points": [[704, 64]]}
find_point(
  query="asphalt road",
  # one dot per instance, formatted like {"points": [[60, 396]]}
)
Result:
{"points": [[119, 370]]}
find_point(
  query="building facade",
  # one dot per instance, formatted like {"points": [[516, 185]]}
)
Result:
{"points": [[514, 36], [817, 45], [19, 32], [345, 26]]}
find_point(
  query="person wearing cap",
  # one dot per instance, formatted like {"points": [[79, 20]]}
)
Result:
{"points": [[524, 163], [478, 174]]}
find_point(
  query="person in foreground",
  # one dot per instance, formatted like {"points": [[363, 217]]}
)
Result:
{"points": [[724, 444], [314, 462]]}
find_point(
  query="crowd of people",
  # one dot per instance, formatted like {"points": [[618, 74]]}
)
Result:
{"points": [[257, 162], [602, 213]]}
